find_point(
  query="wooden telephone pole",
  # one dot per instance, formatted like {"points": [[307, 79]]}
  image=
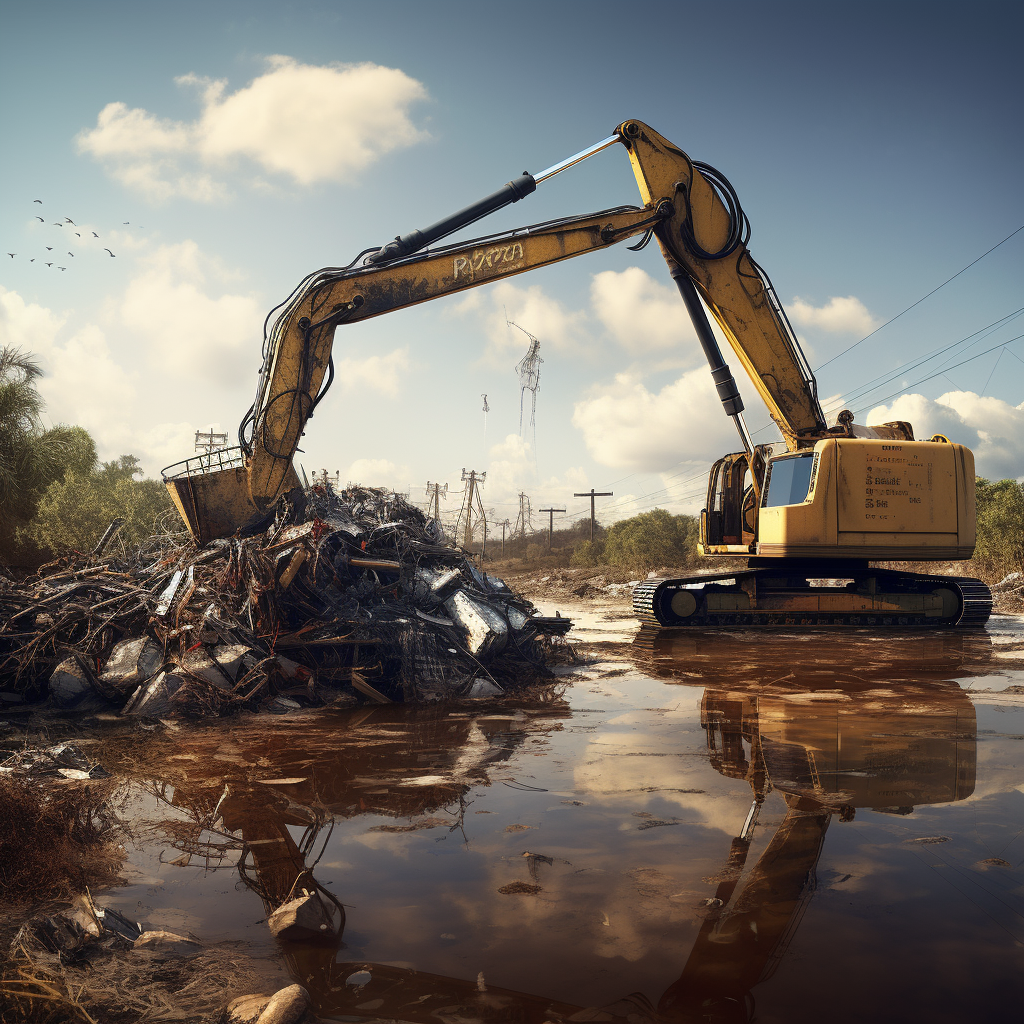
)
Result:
{"points": [[551, 521], [504, 524], [592, 494]]}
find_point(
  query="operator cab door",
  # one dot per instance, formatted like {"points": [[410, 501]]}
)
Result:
{"points": [[728, 523]]}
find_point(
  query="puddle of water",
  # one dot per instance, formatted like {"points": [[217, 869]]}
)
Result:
{"points": [[715, 828]]}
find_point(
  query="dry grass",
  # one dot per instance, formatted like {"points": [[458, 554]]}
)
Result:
{"points": [[56, 839]]}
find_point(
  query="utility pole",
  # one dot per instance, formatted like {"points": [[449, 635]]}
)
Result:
{"points": [[523, 523], [435, 492], [551, 521], [474, 478], [592, 494], [504, 524]]}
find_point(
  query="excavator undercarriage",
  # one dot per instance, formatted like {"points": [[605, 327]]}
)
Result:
{"points": [[818, 593]]}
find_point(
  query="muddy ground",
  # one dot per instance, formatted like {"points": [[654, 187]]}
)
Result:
{"points": [[161, 837]]}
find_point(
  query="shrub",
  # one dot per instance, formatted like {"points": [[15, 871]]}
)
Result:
{"points": [[588, 553], [1000, 509], [74, 512], [643, 542]]}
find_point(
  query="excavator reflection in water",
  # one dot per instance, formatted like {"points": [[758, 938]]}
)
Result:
{"points": [[828, 745]]}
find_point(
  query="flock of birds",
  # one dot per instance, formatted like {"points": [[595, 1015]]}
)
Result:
{"points": [[67, 221]]}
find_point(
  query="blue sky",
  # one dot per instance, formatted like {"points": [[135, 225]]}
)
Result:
{"points": [[876, 149]]}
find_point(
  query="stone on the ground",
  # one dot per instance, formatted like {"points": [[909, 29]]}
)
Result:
{"points": [[132, 662], [153, 699], [308, 917], [246, 1009], [168, 944], [286, 1006], [68, 683]]}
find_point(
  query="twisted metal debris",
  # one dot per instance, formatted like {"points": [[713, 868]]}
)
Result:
{"points": [[336, 598]]}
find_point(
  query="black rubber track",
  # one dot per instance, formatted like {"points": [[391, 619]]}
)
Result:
{"points": [[975, 602]]}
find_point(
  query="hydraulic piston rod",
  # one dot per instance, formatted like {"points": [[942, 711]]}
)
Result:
{"points": [[512, 192], [725, 382]]}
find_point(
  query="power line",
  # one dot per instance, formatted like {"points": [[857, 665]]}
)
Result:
{"points": [[920, 300]]}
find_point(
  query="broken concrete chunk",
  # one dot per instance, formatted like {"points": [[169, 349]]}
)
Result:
{"points": [[132, 662], [229, 657], [286, 1006], [246, 1009], [485, 688], [168, 944], [153, 699], [486, 628], [199, 663], [281, 706], [68, 684], [308, 917]]}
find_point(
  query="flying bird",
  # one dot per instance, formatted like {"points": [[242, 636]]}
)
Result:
{"points": [[107, 250], [68, 220], [62, 268], [94, 235], [71, 254], [77, 235], [12, 254], [32, 261], [57, 224], [40, 219], [126, 222], [37, 200], [49, 248], [49, 264]]}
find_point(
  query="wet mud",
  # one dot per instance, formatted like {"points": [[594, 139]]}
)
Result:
{"points": [[689, 827]]}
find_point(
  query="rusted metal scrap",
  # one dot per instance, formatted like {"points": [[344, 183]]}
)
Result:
{"points": [[343, 597]]}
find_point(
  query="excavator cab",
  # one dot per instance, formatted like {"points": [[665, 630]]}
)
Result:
{"points": [[728, 523]]}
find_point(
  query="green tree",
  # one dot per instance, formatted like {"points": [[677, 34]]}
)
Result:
{"points": [[74, 512], [31, 457], [1000, 508], [651, 539]]}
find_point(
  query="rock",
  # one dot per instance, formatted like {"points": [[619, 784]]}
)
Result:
{"points": [[286, 1006], [199, 663], [282, 705], [68, 684], [230, 658], [246, 1009], [485, 688], [308, 917], [168, 944], [132, 662], [153, 699], [485, 627]]}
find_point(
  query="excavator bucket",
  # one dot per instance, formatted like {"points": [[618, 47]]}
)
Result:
{"points": [[211, 493]]}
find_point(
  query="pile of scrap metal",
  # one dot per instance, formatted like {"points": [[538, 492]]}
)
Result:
{"points": [[330, 598]]}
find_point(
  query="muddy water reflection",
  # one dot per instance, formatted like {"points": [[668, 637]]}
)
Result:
{"points": [[718, 830]]}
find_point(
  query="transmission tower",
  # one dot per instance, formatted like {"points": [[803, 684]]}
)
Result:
{"points": [[210, 441], [528, 369], [523, 524], [473, 507], [435, 492]]}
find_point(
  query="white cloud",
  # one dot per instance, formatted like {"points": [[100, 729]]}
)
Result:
{"points": [[838, 316], [27, 326], [185, 330], [534, 310], [374, 373], [306, 122], [991, 428], [629, 427], [374, 473], [642, 314]]}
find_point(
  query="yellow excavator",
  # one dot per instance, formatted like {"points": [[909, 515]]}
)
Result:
{"points": [[803, 518]]}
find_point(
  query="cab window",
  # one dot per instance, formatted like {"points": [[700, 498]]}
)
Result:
{"points": [[789, 480]]}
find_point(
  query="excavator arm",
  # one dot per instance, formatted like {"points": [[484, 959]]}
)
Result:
{"points": [[689, 207]]}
